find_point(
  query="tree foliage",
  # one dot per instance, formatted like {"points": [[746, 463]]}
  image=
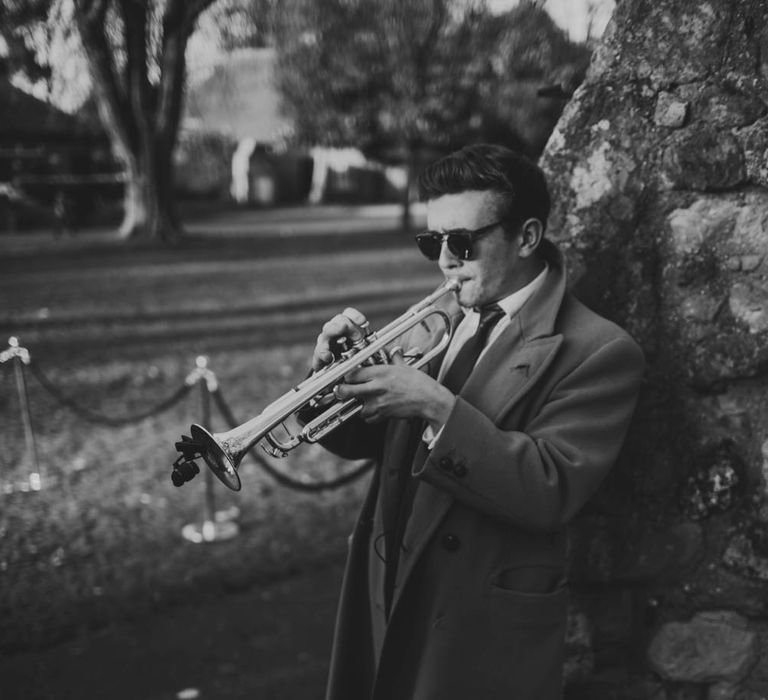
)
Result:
{"points": [[401, 79], [527, 51], [240, 24], [25, 29], [389, 76]]}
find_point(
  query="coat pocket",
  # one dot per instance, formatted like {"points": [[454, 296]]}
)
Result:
{"points": [[538, 578], [529, 609]]}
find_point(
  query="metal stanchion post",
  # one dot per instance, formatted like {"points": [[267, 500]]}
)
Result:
{"points": [[217, 525], [209, 508], [20, 356]]}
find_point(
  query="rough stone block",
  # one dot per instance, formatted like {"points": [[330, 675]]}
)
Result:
{"points": [[750, 232], [606, 173], [754, 143], [580, 659], [703, 160], [733, 417], [670, 112], [700, 307], [706, 217], [661, 46], [764, 453], [709, 491], [740, 556], [601, 550], [725, 106], [723, 691], [750, 263], [713, 647], [749, 304]]}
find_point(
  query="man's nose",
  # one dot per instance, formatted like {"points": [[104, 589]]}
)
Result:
{"points": [[447, 259]]}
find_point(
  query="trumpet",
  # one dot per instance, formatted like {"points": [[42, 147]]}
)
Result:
{"points": [[223, 452]]}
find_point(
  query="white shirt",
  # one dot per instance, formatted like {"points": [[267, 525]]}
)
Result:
{"points": [[468, 327]]}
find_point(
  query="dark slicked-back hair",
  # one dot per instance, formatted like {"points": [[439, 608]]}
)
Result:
{"points": [[519, 181]]}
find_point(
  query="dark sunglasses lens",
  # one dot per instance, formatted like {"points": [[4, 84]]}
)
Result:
{"points": [[429, 244], [460, 245]]}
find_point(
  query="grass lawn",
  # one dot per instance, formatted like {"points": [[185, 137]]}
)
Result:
{"points": [[102, 540]]}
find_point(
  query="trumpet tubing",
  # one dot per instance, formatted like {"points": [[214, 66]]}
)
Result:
{"points": [[223, 452]]}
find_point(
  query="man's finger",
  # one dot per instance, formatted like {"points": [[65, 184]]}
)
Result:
{"points": [[321, 358], [361, 382], [349, 391], [396, 356], [355, 317], [362, 375], [341, 326]]}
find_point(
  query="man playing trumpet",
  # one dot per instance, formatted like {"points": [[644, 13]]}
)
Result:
{"points": [[455, 582]]}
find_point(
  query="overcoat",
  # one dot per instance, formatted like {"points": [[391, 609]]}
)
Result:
{"points": [[479, 604]]}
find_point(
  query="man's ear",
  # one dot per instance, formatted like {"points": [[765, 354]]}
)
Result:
{"points": [[531, 233]]}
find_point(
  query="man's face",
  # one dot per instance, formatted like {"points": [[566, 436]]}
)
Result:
{"points": [[494, 271]]}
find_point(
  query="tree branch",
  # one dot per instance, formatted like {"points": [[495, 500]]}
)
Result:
{"points": [[195, 8], [136, 81], [184, 13], [93, 12], [112, 104], [179, 20]]}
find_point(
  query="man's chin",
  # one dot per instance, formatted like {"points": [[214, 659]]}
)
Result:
{"points": [[466, 296]]}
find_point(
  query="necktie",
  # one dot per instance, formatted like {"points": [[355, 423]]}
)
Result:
{"points": [[467, 356]]}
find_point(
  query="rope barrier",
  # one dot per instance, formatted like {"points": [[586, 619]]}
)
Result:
{"points": [[101, 419], [281, 477], [201, 375]]}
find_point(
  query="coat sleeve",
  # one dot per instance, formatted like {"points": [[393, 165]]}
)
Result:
{"points": [[356, 440], [538, 478], [353, 439]]}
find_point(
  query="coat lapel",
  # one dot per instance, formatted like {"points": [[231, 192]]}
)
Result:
{"points": [[515, 361], [507, 372]]}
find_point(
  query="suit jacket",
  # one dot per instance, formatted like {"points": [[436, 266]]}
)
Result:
{"points": [[479, 603]]}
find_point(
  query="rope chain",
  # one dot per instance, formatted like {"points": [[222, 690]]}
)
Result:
{"points": [[200, 373], [100, 418]]}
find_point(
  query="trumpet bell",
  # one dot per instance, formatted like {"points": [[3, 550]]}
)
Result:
{"points": [[218, 461]]}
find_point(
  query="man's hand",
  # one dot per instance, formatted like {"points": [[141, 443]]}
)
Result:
{"points": [[397, 391], [349, 325]]}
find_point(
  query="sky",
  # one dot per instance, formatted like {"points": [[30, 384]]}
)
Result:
{"points": [[571, 15]]}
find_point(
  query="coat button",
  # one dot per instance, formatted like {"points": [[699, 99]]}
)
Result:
{"points": [[451, 542], [460, 470], [445, 463]]}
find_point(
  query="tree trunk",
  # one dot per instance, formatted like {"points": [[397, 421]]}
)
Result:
{"points": [[660, 188], [405, 215], [149, 207], [411, 168], [141, 117]]}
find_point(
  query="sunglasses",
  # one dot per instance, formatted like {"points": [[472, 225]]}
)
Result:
{"points": [[460, 241]]}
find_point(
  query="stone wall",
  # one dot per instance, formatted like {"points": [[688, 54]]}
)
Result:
{"points": [[659, 171]]}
